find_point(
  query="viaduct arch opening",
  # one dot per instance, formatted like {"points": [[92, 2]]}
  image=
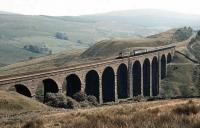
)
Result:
{"points": [[108, 84], [146, 77], [169, 58], [163, 67], [92, 84], [73, 84], [49, 86], [155, 76], [122, 79], [136, 71], [23, 90]]}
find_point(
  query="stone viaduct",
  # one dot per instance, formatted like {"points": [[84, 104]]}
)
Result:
{"points": [[108, 80]]}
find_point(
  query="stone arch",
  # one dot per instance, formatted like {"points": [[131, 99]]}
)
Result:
{"points": [[155, 76], [73, 84], [108, 84], [49, 86], [122, 81], [136, 71], [23, 90], [92, 84], [163, 67], [146, 77], [169, 58]]}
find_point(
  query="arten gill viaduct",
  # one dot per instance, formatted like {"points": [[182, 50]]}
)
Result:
{"points": [[108, 80]]}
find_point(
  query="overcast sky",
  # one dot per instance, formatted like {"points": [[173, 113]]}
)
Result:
{"points": [[82, 7]]}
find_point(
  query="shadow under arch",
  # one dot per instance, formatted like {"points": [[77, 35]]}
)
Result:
{"points": [[155, 76], [50, 86], [73, 84], [169, 58], [92, 84], [122, 81], [146, 77], [136, 71], [163, 67], [108, 84], [23, 90]]}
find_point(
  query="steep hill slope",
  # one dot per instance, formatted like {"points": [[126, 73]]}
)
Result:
{"points": [[183, 77], [113, 46], [194, 46]]}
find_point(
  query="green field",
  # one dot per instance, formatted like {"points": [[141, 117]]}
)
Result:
{"points": [[16, 31]]}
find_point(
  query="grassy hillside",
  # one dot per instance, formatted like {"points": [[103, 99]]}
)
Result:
{"points": [[16, 31], [182, 78], [43, 63], [194, 46], [113, 46], [183, 75], [14, 103], [98, 51]]}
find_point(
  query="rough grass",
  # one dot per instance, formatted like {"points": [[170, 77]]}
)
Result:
{"points": [[187, 109], [12, 102], [156, 114]]}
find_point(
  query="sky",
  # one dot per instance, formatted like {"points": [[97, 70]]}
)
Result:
{"points": [[84, 7]]}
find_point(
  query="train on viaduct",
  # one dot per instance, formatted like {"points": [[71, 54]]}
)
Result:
{"points": [[108, 80]]}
